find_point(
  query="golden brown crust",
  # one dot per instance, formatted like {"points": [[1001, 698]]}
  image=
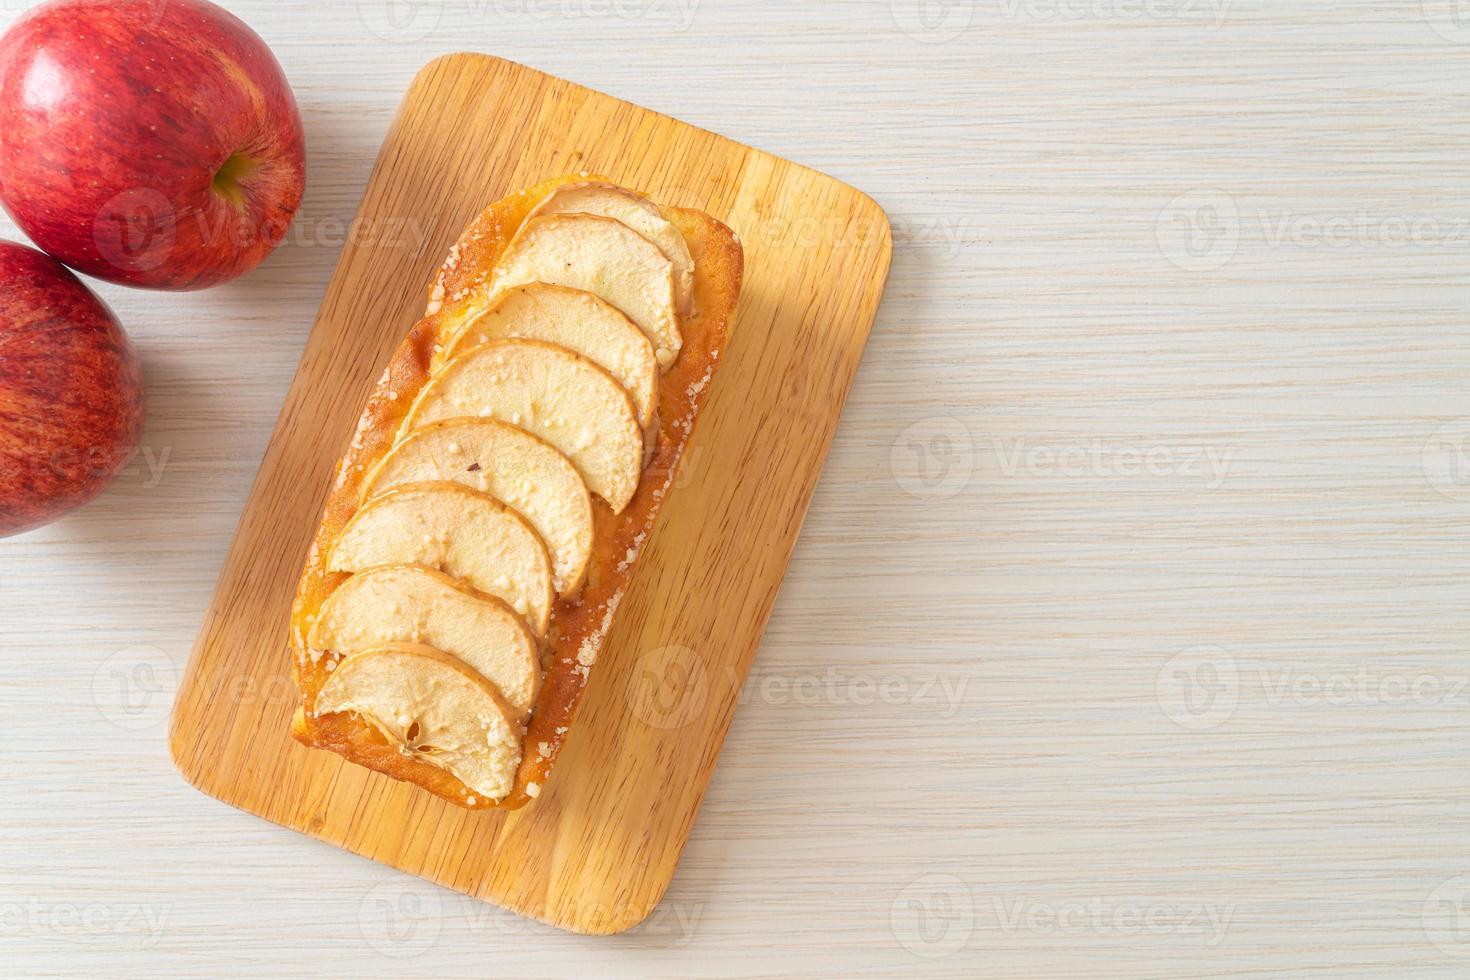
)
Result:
{"points": [[580, 623]]}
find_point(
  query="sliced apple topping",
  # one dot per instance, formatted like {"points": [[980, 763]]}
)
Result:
{"points": [[602, 256], [432, 707], [458, 531], [552, 393], [510, 465], [578, 321], [413, 604], [638, 213]]}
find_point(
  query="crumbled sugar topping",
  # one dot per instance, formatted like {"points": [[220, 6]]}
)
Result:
{"points": [[561, 729], [543, 749], [587, 654], [533, 790], [632, 554], [698, 386], [472, 801]]}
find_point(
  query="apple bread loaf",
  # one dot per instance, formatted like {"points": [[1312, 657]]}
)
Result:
{"points": [[488, 514]]}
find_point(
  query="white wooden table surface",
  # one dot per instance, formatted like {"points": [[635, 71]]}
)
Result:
{"points": [[1127, 633]]}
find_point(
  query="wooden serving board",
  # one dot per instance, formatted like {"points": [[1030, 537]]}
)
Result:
{"points": [[595, 852]]}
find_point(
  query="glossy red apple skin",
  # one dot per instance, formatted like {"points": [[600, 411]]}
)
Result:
{"points": [[71, 393], [116, 117]]}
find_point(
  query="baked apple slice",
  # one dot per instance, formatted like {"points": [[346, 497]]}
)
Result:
{"points": [[413, 604], [552, 393], [510, 465], [458, 531], [602, 256], [578, 321], [431, 707], [638, 213]]}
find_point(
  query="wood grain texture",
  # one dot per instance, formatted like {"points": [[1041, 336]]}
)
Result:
{"points": [[597, 849], [1020, 615]]}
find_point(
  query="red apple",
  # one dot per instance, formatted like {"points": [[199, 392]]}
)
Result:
{"points": [[153, 143], [71, 395]]}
